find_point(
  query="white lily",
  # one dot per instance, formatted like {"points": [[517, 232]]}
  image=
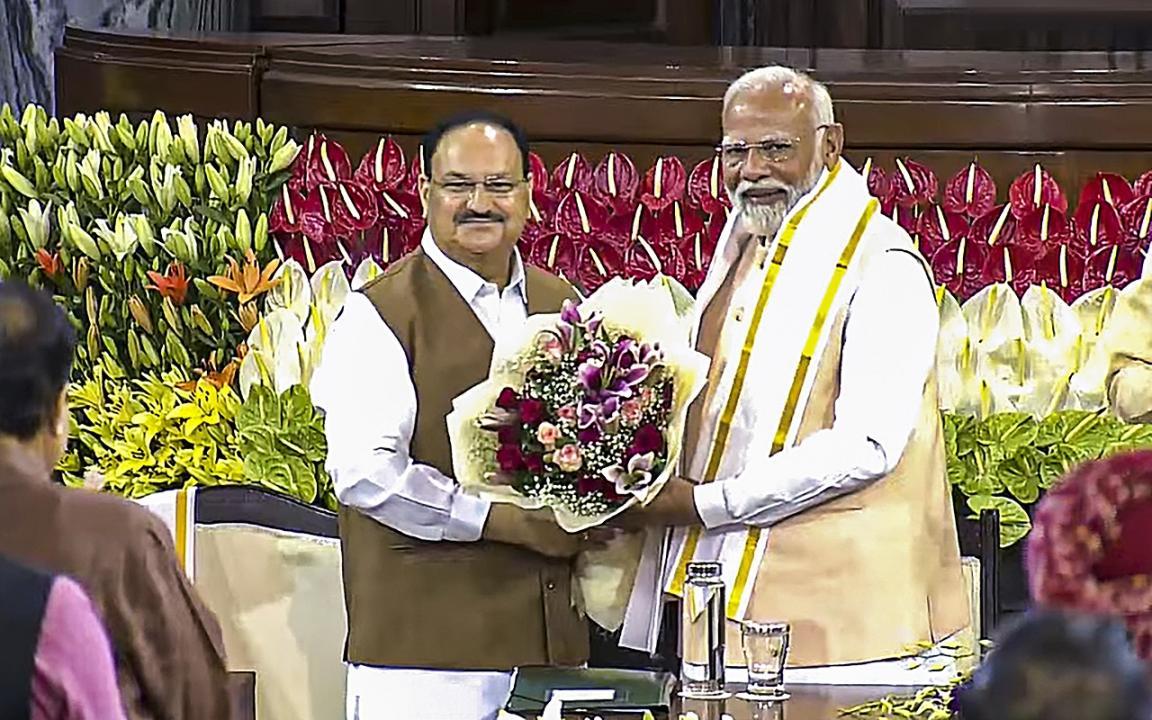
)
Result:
{"points": [[121, 239]]}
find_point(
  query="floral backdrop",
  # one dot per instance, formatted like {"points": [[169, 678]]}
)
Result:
{"points": [[203, 263]]}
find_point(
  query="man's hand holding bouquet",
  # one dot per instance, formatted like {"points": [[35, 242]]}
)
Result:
{"points": [[583, 414]]}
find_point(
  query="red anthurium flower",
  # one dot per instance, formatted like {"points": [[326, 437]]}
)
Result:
{"points": [[542, 201], [286, 211], [354, 208], [995, 227], [1137, 217], [397, 206], [1105, 188], [706, 189], [580, 215], [615, 180], [573, 173], [597, 263], [49, 262], [555, 253], [309, 254], [697, 252], [959, 266], [1115, 266], [675, 223], [318, 219], [327, 162], [664, 183], [908, 218], [384, 242], [937, 227], [1143, 185], [1062, 269], [383, 167], [646, 260], [173, 284], [1034, 189], [913, 184], [880, 187], [1014, 265], [1098, 225], [971, 192], [1045, 228], [416, 170]]}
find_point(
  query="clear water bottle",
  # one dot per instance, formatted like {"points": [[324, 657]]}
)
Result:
{"points": [[702, 631]]}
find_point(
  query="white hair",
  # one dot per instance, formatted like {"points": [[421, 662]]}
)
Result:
{"points": [[766, 77]]}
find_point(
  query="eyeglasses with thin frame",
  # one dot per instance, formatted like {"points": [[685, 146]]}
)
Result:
{"points": [[773, 150], [493, 186]]}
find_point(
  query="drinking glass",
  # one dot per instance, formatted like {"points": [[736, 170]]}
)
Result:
{"points": [[765, 652]]}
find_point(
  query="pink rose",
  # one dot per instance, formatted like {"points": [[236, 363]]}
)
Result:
{"points": [[552, 348], [547, 434], [568, 458], [631, 411], [568, 413]]}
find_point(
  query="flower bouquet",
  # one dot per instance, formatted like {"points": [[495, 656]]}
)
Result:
{"points": [[583, 414]]}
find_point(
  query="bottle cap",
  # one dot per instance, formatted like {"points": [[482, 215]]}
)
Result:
{"points": [[704, 570]]}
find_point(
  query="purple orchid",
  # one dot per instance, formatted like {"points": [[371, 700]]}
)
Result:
{"points": [[637, 476], [597, 415]]}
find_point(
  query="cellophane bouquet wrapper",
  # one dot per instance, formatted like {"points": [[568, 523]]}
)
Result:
{"points": [[583, 414]]}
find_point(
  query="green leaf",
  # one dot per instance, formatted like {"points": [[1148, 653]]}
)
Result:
{"points": [[310, 442], [1020, 474], [296, 404], [262, 408], [1014, 521], [287, 474], [1008, 431]]}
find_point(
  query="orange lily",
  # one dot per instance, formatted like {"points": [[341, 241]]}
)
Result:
{"points": [[247, 282], [173, 284], [49, 262], [220, 379]]}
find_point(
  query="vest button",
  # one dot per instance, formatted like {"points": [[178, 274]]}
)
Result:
{"points": [[550, 585]]}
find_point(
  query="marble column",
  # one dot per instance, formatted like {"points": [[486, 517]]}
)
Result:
{"points": [[35, 28]]}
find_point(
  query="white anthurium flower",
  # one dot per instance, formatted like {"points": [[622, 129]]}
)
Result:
{"points": [[955, 357], [330, 289], [292, 291], [367, 270], [276, 338]]}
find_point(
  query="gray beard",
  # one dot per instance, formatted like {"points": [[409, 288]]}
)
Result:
{"points": [[765, 220]]}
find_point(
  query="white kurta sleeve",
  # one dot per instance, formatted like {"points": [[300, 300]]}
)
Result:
{"points": [[889, 349], [364, 387]]}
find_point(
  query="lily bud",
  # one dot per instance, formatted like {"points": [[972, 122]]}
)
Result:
{"points": [[133, 348], [260, 240], [170, 315], [283, 158], [243, 231], [160, 135], [18, 182], [249, 316], [91, 307], [235, 147], [80, 272], [94, 345], [72, 171], [200, 320], [216, 182], [186, 126], [244, 175], [140, 314], [144, 233], [181, 244], [83, 241]]}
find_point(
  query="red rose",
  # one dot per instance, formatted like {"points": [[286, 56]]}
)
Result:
{"points": [[534, 462], [510, 458], [648, 439], [508, 399], [509, 435], [531, 411]]}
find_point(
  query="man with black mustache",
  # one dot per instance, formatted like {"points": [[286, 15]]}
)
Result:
{"points": [[815, 455], [446, 594]]}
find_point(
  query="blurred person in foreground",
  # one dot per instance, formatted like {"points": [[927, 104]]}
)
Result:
{"points": [[1056, 666], [446, 593], [816, 451], [1090, 548], [168, 648], [55, 659]]}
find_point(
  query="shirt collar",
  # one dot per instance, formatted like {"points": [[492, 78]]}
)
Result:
{"points": [[466, 281]]}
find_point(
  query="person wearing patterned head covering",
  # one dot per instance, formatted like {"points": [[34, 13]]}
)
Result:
{"points": [[1090, 549]]}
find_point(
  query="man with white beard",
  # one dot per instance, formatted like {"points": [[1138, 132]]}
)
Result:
{"points": [[814, 460]]}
